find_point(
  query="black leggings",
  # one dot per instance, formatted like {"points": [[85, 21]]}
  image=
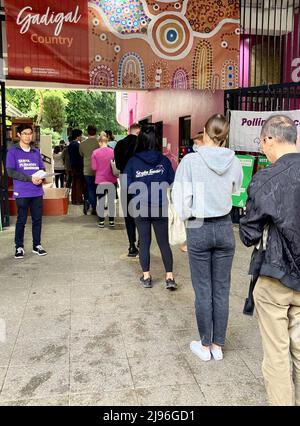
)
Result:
{"points": [[59, 178], [160, 225]]}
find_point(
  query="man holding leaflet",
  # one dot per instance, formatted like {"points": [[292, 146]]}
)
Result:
{"points": [[22, 162]]}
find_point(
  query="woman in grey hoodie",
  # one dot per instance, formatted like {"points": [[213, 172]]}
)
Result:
{"points": [[203, 187]]}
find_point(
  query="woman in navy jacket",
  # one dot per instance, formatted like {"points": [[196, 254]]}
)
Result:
{"points": [[149, 175]]}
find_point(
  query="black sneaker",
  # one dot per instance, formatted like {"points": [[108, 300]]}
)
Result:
{"points": [[170, 284], [133, 251], [101, 225], [39, 250], [111, 223], [146, 282], [19, 253]]}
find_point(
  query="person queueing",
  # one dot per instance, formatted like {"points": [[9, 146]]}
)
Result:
{"points": [[146, 170], [59, 168], [105, 180], [76, 161], [22, 162], [123, 151], [204, 183], [86, 148], [272, 208]]}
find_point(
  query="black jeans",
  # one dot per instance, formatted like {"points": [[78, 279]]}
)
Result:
{"points": [[160, 225], [211, 250], [59, 178], [35, 204]]}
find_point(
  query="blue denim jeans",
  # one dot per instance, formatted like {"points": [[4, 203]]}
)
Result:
{"points": [[91, 190], [211, 250]]}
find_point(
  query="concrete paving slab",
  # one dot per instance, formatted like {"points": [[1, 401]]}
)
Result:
{"points": [[182, 395], [57, 326], [166, 370], [40, 351], [157, 344], [97, 348], [231, 368], [40, 402], [235, 394], [103, 324], [100, 376], [35, 382], [129, 345], [126, 397]]}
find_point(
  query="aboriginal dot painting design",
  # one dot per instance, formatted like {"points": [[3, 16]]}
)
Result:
{"points": [[125, 17], [229, 75], [180, 79], [171, 35], [131, 72], [215, 85], [158, 75], [102, 76], [164, 44], [157, 7], [205, 15], [202, 65]]}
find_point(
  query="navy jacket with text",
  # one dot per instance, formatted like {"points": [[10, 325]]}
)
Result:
{"points": [[150, 168]]}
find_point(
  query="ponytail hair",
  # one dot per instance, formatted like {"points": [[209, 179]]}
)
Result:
{"points": [[217, 128]]}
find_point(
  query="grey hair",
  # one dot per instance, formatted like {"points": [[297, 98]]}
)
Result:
{"points": [[281, 128]]}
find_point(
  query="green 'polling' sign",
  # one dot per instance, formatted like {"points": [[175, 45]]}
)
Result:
{"points": [[247, 162]]}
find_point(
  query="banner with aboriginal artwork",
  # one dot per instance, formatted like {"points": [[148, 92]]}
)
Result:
{"points": [[126, 44]]}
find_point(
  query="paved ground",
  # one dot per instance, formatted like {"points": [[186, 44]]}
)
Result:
{"points": [[80, 330]]}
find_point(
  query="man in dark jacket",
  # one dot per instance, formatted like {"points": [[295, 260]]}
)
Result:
{"points": [[76, 162], [124, 150], [274, 202]]}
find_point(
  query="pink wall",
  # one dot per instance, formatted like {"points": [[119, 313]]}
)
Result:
{"points": [[169, 105], [244, 61]]}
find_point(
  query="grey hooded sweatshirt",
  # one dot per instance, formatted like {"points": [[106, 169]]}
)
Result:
{"points": [[205, 181]]}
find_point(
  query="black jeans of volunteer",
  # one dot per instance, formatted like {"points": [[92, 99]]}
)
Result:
{"points": [[211, 246], [35, 204], [103, 191], [160, 226]]}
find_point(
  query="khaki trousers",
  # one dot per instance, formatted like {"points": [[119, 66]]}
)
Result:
{"points": [[278, 310]]}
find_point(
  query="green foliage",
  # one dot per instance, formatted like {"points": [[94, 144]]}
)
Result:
{"points": [[92, 107], [54, 112], [52, 109], [55, 136], [23, 99]]}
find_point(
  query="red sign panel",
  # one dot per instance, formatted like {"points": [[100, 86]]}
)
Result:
{"points": [[48, 40]]}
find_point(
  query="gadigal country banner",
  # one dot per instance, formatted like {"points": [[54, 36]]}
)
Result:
{"points": [[245, 128], [47, 40], [132, 44]]}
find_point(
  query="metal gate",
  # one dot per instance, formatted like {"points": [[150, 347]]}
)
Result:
{"points": [[276, 97]]}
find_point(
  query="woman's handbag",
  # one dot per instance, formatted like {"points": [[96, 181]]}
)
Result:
{"points": [[114, 169], [177, 233]]}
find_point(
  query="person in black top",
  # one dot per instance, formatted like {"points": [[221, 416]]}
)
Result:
{"points": [[124, 150], [76, 162]]}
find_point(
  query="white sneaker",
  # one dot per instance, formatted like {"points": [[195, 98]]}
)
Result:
{"points": [[217, 353], [200, 351]]}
